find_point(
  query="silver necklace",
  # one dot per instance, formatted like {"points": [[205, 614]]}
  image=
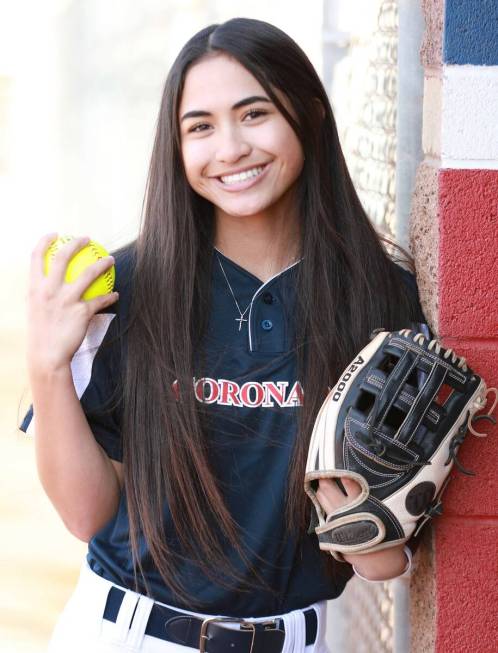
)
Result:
{"points": [[241, 318]]}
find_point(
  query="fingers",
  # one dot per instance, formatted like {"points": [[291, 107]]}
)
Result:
{"points": [[37, 266], [98, 303], [88, 276], [59, 263], [353, 489], [340, 485], [329, 495], [332, 497], [62, 257]]}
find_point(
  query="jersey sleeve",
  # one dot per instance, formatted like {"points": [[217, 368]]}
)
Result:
{"points": [[419, 321], [96, 373], [412, 290]]}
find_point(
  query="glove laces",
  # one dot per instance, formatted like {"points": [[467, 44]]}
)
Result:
{"points": [[435, 346]]}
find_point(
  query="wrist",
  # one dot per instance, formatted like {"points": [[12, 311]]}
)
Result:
{"points": [[45, 371], [382, 565]]}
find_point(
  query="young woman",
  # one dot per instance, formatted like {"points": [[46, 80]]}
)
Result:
{"points": [[172, 425]]}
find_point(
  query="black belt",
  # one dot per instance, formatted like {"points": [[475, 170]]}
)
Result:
{"points": [[209, 635]]}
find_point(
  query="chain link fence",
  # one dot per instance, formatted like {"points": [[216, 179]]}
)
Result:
{"points": [[362, 67]]}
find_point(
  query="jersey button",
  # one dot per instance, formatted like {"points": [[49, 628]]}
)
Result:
{"points": [[268, 298], [267, 325]]}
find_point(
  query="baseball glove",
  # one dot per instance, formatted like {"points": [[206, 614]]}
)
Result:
{"points": [[393, 423]]}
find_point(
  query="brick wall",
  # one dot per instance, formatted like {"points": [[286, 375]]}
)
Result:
{"points": [[454, 238]]}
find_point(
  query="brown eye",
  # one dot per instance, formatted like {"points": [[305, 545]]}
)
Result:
{"points": [[255, 113], [195, 128]]}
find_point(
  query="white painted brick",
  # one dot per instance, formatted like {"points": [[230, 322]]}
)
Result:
{"points": [[460, 127], [469, 122]]}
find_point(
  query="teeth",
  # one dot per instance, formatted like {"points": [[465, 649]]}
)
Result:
{"points": [[242, 176]]}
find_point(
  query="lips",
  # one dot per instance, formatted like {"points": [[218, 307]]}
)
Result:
{"points": [[241, 176], [239, 171], [244, 183]]}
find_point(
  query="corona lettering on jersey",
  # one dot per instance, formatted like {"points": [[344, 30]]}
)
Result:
{"points": [[252, 394]]}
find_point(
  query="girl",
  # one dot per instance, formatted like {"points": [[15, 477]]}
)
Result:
{"points": [[172, 426]]}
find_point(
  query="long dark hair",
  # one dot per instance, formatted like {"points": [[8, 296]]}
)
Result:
{"points": [[347, 285]]}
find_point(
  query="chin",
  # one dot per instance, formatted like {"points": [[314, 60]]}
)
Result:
{"points": [[244, 209], [241, 213]]}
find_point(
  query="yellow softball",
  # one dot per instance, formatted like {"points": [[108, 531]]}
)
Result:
{"points": [[89, 254]]}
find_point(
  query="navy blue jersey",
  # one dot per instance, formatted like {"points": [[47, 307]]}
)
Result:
{"points": [[253, 395]]}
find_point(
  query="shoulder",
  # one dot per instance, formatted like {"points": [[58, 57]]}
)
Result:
{"points": [[409, 280], [108, 326]]}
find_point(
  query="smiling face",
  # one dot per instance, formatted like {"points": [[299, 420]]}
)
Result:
{"points": [[238, 150]]}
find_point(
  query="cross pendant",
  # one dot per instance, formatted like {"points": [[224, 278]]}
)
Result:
{"points": [[240, 320]]}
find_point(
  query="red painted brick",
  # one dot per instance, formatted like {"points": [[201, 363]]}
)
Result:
{"points": [[466, 586], [468, 253]]}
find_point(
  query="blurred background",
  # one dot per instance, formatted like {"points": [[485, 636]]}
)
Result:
{"points": [[80, 86]]}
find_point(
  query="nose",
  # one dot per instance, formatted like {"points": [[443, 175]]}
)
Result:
{"points": [[231, 145]]}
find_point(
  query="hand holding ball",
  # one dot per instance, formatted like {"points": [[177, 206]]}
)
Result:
{"points": [[90, 253], [70, 281]]}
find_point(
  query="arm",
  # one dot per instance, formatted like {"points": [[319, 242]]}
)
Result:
{"points": [[75, 472]]}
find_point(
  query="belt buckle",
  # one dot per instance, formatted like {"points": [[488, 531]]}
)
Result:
{"points": [[205, 625]]}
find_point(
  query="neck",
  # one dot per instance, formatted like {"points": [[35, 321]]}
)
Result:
{"points": [[264, 245]]}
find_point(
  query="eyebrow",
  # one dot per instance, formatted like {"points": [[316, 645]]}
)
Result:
{"points": [[241, 103]]}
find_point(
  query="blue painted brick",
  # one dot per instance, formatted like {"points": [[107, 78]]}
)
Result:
{"points": [[471, 32]]}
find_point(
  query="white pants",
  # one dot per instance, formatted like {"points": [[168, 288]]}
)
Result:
{"points": [[81, 628]]}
